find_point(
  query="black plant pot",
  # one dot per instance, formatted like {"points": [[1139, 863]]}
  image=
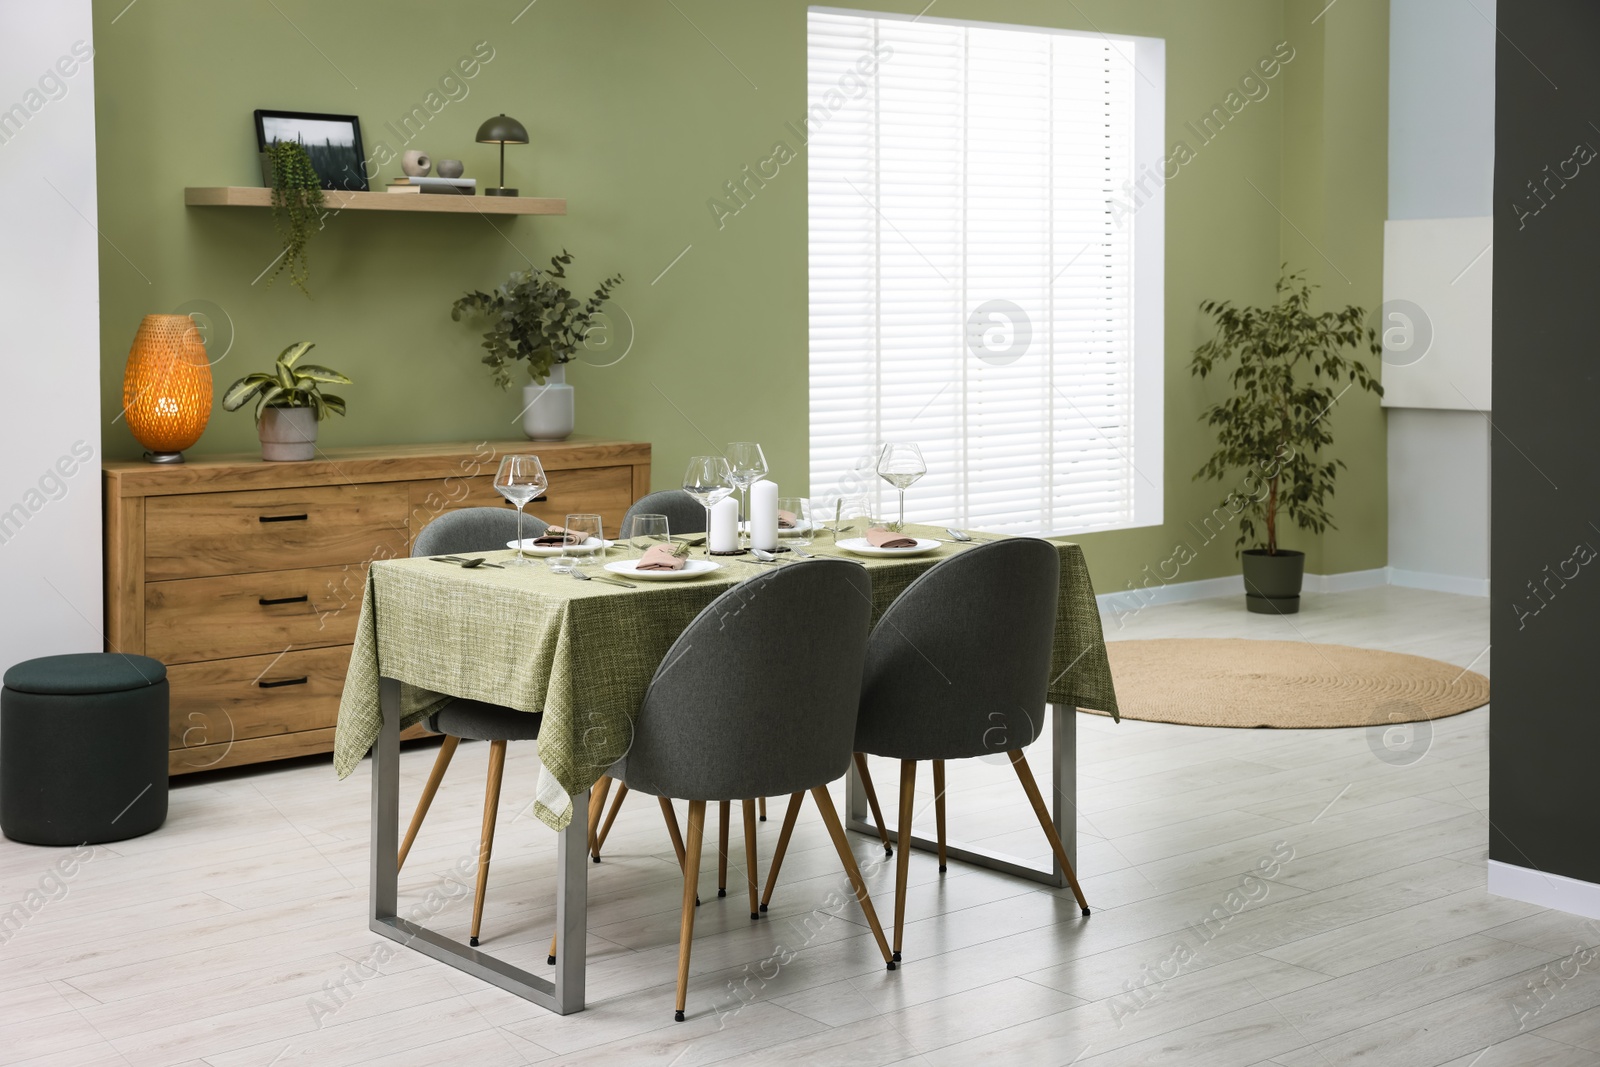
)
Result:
{"points": [[1272, 582]]}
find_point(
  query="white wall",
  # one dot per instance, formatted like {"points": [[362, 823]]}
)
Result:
{"points": [[50, 556], [1441, 166]]}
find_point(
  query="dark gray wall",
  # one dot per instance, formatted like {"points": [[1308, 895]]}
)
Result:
{"points": [[1544, 746]]}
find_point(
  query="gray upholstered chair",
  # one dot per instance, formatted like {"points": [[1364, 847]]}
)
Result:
{"points": [[739, 709], [684, 513], [684, 516], [959, 666], [473, 530]]}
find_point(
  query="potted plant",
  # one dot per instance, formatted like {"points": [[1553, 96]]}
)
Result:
{"points": [[536, 320], [289, 403], [1287, 366], [296, 206]]}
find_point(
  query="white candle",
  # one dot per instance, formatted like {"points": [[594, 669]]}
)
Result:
{"points": [[764, 515], [724, 532]]}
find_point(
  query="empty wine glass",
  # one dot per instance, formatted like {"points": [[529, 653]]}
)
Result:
{"points": [[901, 465], [707, 479], [746, 466], [519, 480], [585, 542]]}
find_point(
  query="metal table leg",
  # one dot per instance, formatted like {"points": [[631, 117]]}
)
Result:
{"points": [[565, 995], [1063, 808]]}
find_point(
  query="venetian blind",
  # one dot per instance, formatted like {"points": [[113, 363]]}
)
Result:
{"points": [[973, 286]]}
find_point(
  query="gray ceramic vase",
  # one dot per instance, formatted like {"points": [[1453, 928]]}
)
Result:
{"points": [[450, 168], [288, 434]]}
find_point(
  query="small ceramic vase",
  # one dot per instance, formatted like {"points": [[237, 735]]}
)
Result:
{"points": [[450, 168], [416, 164]]}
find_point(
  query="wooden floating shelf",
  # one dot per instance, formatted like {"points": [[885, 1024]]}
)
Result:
{"points": [[335, 200]]}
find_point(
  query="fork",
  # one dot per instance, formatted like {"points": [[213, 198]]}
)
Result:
{"points": [[582, 577]]}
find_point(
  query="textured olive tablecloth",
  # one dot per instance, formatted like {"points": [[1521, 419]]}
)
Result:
{"points": [[584, 652]]}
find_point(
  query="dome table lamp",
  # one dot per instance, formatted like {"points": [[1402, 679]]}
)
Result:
{"points": [[502, 131], [166, 388]]}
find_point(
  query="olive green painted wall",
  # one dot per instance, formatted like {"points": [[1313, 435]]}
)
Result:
{"points": [[638, 119]]}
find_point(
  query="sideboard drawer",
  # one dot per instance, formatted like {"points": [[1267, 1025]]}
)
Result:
{"points": [[201, 534], [255, 696], [252, 614]]}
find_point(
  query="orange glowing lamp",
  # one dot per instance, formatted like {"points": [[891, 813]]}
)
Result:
{"points": [[166, 388]]}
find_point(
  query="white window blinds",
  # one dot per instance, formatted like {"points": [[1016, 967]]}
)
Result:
{"points": [[982, 283]]}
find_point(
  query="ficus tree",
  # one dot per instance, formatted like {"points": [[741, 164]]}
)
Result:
{"points": [[1288, 367]]}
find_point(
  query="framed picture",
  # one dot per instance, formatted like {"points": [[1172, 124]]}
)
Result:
{"points": [[332, 141]]}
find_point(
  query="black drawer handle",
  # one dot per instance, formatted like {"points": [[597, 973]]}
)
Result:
{"points": [[284, 682], [283, 518], [301, 599]]}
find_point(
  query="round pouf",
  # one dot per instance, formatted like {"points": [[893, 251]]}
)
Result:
{"points": [[83, 749]]}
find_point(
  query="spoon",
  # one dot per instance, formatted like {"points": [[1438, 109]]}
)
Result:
{"points": [[763, 556], [466, 564], [959, 536]]}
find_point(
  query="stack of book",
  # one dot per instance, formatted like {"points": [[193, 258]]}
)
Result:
{"points": [[452, 186]]}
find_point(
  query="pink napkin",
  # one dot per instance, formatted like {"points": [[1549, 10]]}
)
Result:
{"points": [[787, 520], [660, 558], [555, 537], [878, 537]]}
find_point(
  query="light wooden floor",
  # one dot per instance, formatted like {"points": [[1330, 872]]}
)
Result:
{"points": [[235, 935]]}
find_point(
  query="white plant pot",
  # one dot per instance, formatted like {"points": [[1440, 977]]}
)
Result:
{"points": [[548, 413], [288, 434]]}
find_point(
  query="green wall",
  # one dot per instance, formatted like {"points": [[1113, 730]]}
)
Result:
{"points": [[638, 119]]}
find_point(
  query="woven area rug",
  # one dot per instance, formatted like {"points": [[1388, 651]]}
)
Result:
{"points": [[1285, 684]]}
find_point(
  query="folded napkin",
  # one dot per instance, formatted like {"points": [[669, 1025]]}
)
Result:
{"points": [[555, 537], [878, 537], [787, 520], [660, 558]]}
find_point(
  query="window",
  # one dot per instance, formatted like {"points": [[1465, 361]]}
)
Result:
{"points": [[986, 268]]}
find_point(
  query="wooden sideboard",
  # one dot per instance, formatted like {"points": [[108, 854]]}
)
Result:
{"points": [[245, 578]]}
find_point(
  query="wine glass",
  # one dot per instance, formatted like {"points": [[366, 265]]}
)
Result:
{"points": [[901, 465], [746, 465], [708, 481], [519, 480], [585, 542]]}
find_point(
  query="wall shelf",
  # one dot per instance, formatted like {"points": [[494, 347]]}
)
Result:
{"points": [[434, 203]]}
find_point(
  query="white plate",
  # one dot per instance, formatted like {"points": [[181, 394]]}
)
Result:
{"points": [[593, 545], [692, 568], [800, 527], [861, 547]]}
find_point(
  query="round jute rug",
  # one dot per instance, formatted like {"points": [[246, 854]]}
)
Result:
{"points": [[1285, 684]]}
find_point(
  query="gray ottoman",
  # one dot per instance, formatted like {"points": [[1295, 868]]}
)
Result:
{"points": [[83, 748]]}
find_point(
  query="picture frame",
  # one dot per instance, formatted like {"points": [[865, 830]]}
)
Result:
{"points": [[332, 141]]}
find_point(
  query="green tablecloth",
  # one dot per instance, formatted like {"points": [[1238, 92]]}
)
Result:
{"points": [[584, 652]]}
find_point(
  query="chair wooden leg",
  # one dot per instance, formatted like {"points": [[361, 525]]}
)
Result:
{"points": [[1031, 787], [597, 805], [611, 817], [691, 878], [672, 830], [902, 870], [796, 800], [435, 776], [552, 958], [763, 809], [491, 806], [938, 807], [724, 809], [872, 802], [842, 845], [750, 854]]}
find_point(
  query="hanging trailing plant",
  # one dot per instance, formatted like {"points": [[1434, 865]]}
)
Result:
{"points": [[296, 208]]}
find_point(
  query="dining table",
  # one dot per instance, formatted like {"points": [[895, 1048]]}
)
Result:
{"points": [[582, 654]]}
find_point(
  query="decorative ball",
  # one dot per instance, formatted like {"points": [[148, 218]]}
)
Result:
{"points": [[450, 168], [166, 387], [416, 164]]}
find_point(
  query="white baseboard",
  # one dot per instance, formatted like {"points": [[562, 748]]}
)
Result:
{"points": [[1439, 583], [1345, 581], [1129, 600], [1546, 890]]}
